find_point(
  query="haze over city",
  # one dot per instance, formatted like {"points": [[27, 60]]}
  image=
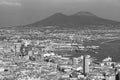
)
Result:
{"points": [[21, 12]]}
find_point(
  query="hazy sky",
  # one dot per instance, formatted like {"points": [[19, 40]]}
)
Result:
{"points": [[16, 12]]}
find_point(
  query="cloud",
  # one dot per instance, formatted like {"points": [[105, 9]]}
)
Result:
{"points": [[10, 3]]}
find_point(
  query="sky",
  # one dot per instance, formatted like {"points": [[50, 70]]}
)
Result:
{"points": [[22, 12]]}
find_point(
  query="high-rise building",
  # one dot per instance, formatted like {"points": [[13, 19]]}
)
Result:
{"points": [[86, 62]]}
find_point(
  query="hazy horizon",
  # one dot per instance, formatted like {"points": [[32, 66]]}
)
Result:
{"points": [[21, 12]]}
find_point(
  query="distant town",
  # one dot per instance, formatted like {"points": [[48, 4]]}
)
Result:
{"points": [[56, 54]]}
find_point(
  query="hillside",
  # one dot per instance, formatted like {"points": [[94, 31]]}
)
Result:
{"points": [[78, 20]]}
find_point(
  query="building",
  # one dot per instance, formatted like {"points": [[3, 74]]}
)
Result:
{"points": [[117, 77], [86, 62], [75, 61], [110, 77], [107, 62], [17, 47]]}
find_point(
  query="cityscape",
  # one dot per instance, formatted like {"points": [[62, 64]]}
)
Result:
{"points": [[59, 40], [57, 55]]}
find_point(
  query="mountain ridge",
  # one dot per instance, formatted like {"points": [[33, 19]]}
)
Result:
{"points": [[82, 18]]}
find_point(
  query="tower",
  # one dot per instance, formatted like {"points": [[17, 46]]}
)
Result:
{"points": [[86, 62]]}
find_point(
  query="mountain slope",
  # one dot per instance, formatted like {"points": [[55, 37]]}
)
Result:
{"points": [[75, 20]]}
